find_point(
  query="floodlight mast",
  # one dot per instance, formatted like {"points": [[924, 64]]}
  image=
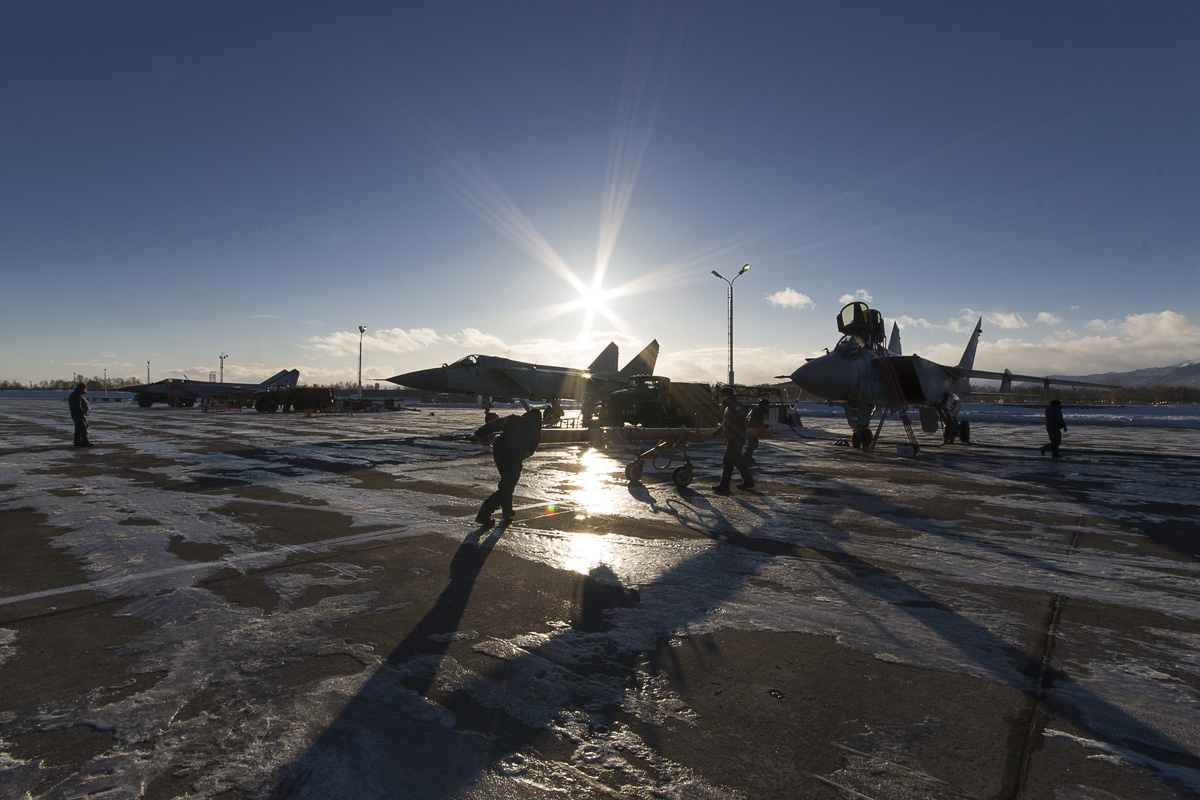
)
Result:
{"points": [[361, 330], [741, 272]]}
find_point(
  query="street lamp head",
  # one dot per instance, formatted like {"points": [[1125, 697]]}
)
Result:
{"points": [[719, 275], [362, 328], [743, 269]]}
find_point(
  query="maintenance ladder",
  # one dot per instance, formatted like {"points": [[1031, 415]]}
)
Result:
{"points": [[898, 403]]}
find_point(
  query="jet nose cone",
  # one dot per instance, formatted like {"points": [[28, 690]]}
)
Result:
{"points": [[828, 377], [425, 380]]}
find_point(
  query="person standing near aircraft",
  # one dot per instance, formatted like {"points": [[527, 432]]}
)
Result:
{"points": [[79, 413], [733, 428], [756, 427], [1055, 425], [518, 438]]}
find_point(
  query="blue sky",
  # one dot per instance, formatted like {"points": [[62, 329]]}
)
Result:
{"points": [[533, 179]]}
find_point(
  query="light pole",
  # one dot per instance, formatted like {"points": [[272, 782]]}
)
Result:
{"points": [[730, 282], [361, 330], [223, 357], [147, 372]]}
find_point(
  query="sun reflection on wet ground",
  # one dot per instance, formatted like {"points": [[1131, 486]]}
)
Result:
{"points": [[586, 551], [592, 492]]}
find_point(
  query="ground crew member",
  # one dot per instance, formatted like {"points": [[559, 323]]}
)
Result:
{"points": [[733, 429], [517, 439], [1055, 425], [756, 427], [79, 413]]}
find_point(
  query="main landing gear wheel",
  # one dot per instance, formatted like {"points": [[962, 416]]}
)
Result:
{"points": [[861, 439], [964, 431], [633, 471], [682, 475]]}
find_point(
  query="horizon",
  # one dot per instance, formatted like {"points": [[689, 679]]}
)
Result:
{"points": [[533, 180]]}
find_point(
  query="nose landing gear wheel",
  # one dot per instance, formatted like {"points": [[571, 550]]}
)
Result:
{"points": [[633, 471]]}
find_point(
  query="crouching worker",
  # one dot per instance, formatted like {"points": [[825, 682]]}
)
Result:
{"points": [[516, 438]]}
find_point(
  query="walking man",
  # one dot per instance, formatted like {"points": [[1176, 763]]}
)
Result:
{"points": [[756, 427], [79, 414], [516, 439], [733, 428], [1055, 425]]}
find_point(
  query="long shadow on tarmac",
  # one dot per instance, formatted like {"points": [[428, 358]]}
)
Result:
{"points": [[1029, 673], [552, 697]]}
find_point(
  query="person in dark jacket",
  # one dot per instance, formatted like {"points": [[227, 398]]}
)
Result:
{"points": [[1055, 425], [79, 413], [733, 428], [756, 427], [516, 439]]}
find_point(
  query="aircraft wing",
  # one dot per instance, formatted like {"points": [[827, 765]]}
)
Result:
{"points": [[546, 384], [1008, 377]]}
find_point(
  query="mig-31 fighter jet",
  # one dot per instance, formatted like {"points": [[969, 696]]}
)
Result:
{"points": [[497, 377], [185, 392], [865, 377]]}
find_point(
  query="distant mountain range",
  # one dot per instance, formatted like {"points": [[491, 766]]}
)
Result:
{"points": [[1185, 374]]}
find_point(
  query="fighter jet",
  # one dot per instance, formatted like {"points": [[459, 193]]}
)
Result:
{"points": [[864, 377], [185, 392], [493, 376]]}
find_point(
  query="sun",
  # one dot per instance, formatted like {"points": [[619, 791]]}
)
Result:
{"points": [[593, 301]]}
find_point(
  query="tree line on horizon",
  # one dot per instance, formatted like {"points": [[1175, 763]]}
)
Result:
{"points": [[97, 384]]}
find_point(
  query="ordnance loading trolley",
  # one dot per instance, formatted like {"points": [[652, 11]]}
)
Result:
{"points": [[672, 448]]}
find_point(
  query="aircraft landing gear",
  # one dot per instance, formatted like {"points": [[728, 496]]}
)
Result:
{"points": [[861, 440], [956, 430]]}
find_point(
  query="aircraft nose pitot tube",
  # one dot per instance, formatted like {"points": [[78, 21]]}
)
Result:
{"points": [[425, 380], [828, 377]]}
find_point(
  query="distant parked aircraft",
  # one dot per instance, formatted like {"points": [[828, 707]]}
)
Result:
{"points": [[493, 376], [865, 377], [185, 392]]}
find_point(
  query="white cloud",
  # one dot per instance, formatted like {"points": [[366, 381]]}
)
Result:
{"points": [[389, 340], [919, 323], [861, 295], [752, 365], [1136, 342], [1005, 319], [790, 298], [1046, 318]]}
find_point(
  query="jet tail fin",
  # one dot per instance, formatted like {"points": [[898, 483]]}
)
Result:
{"points": [[284, 378], [894, 342], [606, 361], [968, 357], [643, 363]]}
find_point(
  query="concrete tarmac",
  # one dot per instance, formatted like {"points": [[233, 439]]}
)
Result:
{"points": [[239, 605]]}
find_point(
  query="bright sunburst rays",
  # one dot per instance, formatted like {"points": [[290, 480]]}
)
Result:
{"points": [[651, 52]]}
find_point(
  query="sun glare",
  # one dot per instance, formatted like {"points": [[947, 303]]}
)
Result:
{"points": [[651, 53]]}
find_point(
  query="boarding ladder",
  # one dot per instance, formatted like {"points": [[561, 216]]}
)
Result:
{"points": [[898, 403]]}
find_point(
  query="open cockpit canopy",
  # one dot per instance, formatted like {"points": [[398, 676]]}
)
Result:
{"points": [[465, 361], [861, 321]]}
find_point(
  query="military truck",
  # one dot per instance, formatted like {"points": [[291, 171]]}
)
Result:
{"points": [[652, 401]]}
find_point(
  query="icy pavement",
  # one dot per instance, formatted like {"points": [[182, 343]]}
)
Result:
{"points": [[242, 605]]}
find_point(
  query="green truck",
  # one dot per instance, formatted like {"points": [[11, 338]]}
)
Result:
{"points": [[652, 401]]}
